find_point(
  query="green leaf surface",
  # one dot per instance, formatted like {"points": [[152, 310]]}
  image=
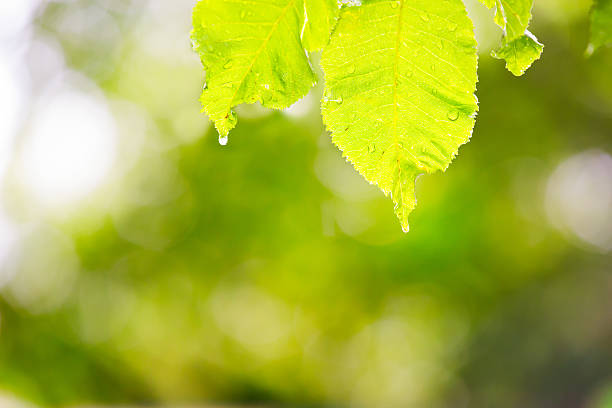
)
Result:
{"points": [[321, 17], [251, 51], [601, 25], [511, 15], [519, 47], [399, 97], [520, 53]]}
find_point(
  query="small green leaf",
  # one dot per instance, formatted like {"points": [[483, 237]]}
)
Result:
{"points": [[512, 16], [519, 53], [519, 47], [321, 17], [399, 97], [601, 25], [251, 51]]}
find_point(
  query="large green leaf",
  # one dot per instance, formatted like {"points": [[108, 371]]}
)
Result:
{"points": [[519, 47], [601, 25], [251, 51], [321, 17], [399, 97]]}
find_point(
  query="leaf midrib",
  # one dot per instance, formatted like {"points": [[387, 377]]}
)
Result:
{"points": [[398, 45], [259, 51]]}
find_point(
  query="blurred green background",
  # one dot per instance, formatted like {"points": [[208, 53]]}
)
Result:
{"points": [[141, 263]]}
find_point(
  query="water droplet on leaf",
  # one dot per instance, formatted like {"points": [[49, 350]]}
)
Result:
{"points": [[453, 115]]}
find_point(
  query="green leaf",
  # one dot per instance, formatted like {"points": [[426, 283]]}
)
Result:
{"points": [[399, 97], [519, 47], [601, 25], [251, 51], [519, 53], [512, 16], [321, 17]]}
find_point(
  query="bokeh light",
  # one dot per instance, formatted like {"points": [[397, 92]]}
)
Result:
{"points": [[579, 198], [70, 147]]}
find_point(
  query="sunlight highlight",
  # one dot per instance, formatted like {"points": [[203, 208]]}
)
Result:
{"points": [[70, 148]]}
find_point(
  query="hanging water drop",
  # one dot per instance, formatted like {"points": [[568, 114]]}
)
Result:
{"points": [[223, 140]]}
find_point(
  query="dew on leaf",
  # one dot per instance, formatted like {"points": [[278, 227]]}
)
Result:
{"points": [[453, 115], [394, 4], [228, 65]]}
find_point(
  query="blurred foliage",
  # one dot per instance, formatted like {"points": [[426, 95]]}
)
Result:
{"points": [[269, 271]]}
